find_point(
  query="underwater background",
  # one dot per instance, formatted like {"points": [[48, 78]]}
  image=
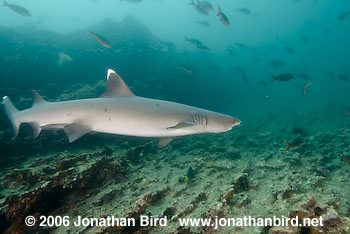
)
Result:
{"points": [[280, 66]]}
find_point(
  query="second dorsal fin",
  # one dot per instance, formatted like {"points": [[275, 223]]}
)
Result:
{"points": [[116, 87], [37, 99]]}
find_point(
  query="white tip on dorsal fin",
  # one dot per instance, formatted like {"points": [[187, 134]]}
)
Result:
{"points": [[37, 99], [116, 87], [109, 72]]}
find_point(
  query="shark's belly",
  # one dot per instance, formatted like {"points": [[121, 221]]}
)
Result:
{"points": [[145, 118]]}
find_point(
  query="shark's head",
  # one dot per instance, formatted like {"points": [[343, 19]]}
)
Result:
{"points": [[221, 123]]}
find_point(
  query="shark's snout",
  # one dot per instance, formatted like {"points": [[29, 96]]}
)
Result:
{"points": [[236, 122]]}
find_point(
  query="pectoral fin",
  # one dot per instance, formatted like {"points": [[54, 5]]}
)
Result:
{"points": [[75, 131], [164, 141], [182, 125]]}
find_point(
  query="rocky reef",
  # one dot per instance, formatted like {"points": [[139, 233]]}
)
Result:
{"points": [[237, 174]]}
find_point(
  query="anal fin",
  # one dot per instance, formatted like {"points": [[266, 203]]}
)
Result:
{"points": [[75, 130]]}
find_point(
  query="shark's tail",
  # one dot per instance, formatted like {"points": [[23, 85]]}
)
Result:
{"points": [[11, 112], [5, 3], [288, 146], [273, 78], [219, 10]]}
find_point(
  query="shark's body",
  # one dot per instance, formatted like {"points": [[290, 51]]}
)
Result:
{"points": [[119, 111]]}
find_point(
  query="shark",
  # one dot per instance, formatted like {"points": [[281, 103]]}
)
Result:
{"points": [[118, 111]]}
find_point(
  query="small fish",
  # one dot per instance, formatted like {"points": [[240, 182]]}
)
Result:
{"points": [[231, 51], [343, 15], [244, 10], [276, 63], [189, 175], [205, 5], [245, 78], [63, 58], [223, 18], [297, 142], [203, 23], [186, 180], [289, 49], [304, 39], [203, 48], [100, 39], [188, 68], [305, 87], [194, 41], [344, 77], [18, 9], [282, 77]]}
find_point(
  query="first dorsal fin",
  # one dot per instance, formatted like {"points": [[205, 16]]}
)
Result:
{"points": [[116, 87], [37, 99]]}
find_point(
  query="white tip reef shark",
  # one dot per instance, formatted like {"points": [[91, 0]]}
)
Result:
{"points": [[118, 111]]}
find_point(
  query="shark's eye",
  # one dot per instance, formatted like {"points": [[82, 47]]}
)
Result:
{"points": [[236, 121]]}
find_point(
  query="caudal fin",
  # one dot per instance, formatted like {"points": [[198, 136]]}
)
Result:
{"points": [[11, 112], [273, 78], [289, 145]]}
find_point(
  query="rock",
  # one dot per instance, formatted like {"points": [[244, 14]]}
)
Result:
{"points": [[241, 183], [229, 197], [169, 212], [331, 218], [245, 200]]}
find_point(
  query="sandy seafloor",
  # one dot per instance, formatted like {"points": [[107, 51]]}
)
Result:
{"points": [[242, 172]]}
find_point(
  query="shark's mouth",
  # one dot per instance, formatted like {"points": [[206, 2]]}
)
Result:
{"points": [[236, 122]]}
